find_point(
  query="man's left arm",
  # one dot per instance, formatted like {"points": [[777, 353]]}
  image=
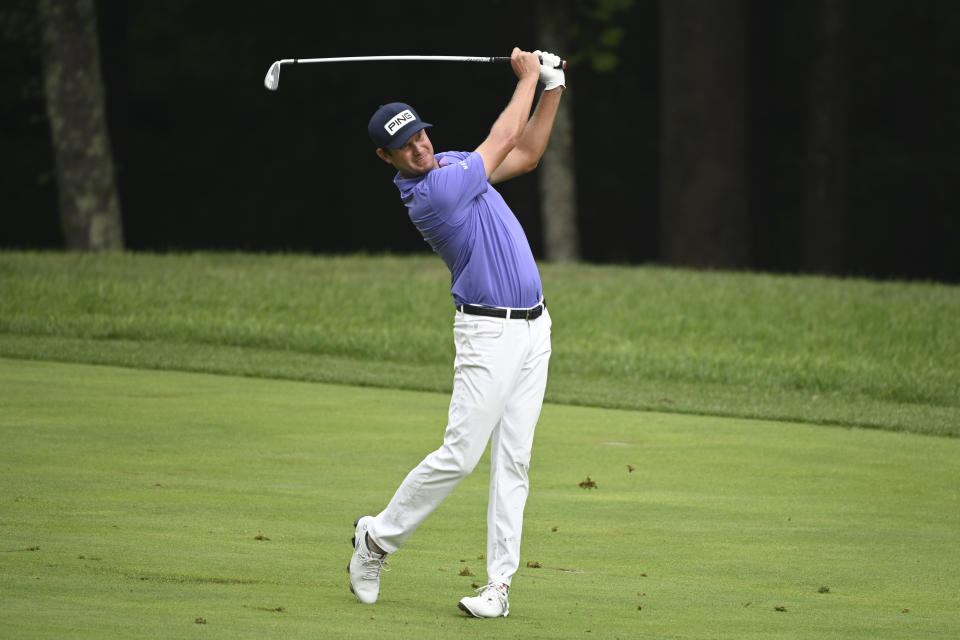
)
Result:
{"points": [[525, 156]]}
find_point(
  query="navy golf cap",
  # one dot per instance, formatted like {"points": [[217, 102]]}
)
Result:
{"points": [[393, 124]]}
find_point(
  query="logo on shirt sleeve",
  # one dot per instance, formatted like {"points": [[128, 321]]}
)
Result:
{"points": [[463, 163], [403, 118]]}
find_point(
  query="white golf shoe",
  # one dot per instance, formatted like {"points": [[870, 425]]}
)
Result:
{"points": [[491, 603], [365, 565]]}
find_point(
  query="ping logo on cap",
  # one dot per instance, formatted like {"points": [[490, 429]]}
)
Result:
{"points": [[398, 121]]}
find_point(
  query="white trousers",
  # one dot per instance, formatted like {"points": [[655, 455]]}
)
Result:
{"points": [[500, 374]]}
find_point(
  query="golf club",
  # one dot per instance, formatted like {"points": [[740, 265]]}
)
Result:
{"points": [[272, 79]]}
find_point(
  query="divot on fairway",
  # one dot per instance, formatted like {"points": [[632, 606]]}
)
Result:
{"points": [[589, 483], [267, 609]]}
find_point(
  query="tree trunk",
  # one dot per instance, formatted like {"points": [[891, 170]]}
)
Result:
{"points": [[825, 197], [89, 205], [704, 216], [557, 175]]}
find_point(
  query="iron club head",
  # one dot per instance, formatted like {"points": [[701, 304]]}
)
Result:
{"points": [[272, 80]]}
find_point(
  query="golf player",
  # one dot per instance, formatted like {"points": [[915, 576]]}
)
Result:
{"points": [[501, 325]]}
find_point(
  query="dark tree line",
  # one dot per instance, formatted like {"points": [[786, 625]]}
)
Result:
{"points": [[791, 135]]}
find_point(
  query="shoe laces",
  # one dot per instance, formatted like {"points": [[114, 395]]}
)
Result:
{"points": [[373, 565], [499, 590]]}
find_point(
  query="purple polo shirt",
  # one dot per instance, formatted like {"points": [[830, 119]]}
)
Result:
{"points": [[466, 221]]}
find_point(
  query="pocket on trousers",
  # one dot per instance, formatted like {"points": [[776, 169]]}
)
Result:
{"points": [[478, 327]]}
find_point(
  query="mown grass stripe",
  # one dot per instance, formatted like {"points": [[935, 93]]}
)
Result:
{"points": [[812, 349]]}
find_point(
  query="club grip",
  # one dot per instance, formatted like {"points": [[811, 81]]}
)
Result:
{"points": [[562, 65]]}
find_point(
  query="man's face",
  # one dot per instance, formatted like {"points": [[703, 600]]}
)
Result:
{"points": [[414, 158]]}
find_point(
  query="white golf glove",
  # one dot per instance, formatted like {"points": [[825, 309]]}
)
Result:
{"points": [[550, 76]]}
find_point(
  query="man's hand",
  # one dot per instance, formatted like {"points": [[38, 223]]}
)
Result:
{"points": [[524, 63], [550, 76]]}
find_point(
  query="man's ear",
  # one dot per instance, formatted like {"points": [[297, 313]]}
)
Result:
{"points": [[383, 155]]}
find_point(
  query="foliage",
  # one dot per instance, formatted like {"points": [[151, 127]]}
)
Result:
{"points": [[596, 31], [19, 56]]}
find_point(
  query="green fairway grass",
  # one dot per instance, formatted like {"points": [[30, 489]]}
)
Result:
{"points": [[136, 503], [808, 349]]}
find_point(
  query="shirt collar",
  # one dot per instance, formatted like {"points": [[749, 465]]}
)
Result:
{"points": [[406, 184]]}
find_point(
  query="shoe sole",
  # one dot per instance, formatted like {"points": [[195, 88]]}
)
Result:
{"points": [[353, 543], [466, 610], [353, 540]]}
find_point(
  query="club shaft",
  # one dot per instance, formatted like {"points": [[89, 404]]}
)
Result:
{"points": [[272, 79], [375, 58], [562, 65]]}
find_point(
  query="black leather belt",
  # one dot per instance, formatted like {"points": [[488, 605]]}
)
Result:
{"points": [[512, 314]]}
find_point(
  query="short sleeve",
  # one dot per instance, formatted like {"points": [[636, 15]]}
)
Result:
{"points": [[453, 186]]}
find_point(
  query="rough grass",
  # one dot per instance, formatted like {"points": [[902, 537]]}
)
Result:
{"points": [[151, 504], [817, 350]]}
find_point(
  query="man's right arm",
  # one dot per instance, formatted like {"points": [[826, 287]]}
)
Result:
{"points": [[507, 129]]}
